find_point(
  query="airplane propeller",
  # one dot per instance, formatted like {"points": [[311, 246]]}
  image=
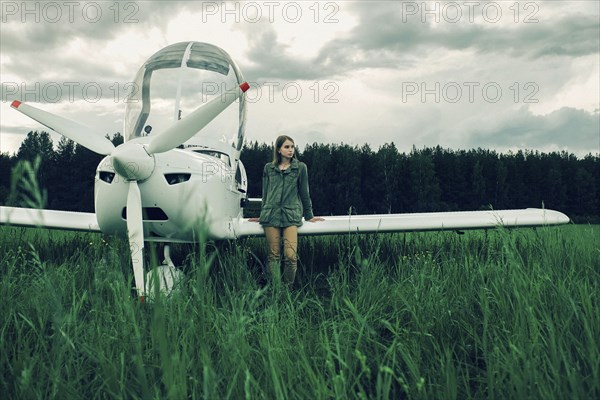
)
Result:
{"points": [[82, 134], [135, 230], [135, 161], [186, 128]]}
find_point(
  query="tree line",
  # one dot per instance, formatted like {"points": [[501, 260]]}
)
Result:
{"points": [[360, 180]]}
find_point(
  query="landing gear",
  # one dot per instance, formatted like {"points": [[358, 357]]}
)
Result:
{"points": [[167, 276], [167, 255]]}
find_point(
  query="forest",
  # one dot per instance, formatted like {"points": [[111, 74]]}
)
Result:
{"points": [[357, 179]]}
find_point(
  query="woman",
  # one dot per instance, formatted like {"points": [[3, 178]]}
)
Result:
{"points": [[285, 200]]}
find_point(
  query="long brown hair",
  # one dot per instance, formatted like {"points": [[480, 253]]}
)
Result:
{"points": [[278, 143]]}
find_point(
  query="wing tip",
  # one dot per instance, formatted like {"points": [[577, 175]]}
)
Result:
{"points": [[244, 86], [15, 104]]}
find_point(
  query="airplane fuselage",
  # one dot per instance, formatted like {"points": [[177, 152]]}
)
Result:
{"points": [[189, 191]]}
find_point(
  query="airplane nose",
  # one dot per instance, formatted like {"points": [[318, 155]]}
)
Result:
{"points": [[132, 162]]}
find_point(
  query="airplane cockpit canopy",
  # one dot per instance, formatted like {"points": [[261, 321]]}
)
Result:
{"points": [[175, 81]]}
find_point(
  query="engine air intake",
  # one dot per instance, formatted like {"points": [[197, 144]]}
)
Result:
{"points": [[149, 214]]}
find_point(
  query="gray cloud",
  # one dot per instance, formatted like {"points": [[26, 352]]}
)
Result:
{"points": [[14, 129], [34, 46], [388, 26], [386, 38], [548, 53], [575, 129], [272, 61]]}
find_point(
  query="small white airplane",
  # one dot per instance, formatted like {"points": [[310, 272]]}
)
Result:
{"points": [[152, 191]]}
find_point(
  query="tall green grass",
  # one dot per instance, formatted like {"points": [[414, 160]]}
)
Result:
{"points": [[502, 314]]}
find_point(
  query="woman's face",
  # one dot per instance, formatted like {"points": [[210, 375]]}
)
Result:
{"points": [[287, 149]]}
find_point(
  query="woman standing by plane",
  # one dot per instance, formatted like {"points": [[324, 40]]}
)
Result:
{"points": [[285, 200]]}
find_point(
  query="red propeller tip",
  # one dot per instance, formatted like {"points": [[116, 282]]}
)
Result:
{"points": [[15, 104], [244, 86]]}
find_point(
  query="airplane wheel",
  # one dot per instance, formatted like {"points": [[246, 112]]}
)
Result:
{"points": [[168, 278]]}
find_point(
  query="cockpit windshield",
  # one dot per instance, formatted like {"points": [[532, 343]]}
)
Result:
{"points": [[177, 80]]}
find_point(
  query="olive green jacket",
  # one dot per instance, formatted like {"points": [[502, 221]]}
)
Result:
{"points": [[285, 196]]}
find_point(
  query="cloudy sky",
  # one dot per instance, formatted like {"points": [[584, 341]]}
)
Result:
{"points": [[501, 75]]}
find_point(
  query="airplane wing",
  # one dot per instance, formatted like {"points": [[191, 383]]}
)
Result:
{"points": [[449, 221], [78, 221], [438, 221]]}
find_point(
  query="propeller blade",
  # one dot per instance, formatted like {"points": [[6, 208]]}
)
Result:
{"points": [[81, 134], [187, 127], [135, 229]]}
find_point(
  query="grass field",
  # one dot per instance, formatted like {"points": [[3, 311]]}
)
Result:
{"points": [[502, 314]]}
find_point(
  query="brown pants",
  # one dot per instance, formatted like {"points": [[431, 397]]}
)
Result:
{"points": [[290, 246]]}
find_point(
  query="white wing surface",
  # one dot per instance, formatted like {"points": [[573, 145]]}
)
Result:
{"points": [[455, 221], [53, 219]]}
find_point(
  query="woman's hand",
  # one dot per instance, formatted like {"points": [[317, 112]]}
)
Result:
{"points": [[253, 219], [316, 219]]}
